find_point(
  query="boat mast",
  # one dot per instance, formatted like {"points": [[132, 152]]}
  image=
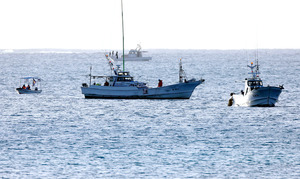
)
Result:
{"points": [[90, 75], [257, 66], [123, 35], [181, 73]]}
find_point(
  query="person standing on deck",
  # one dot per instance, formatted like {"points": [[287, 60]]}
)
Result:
{"points": [[160, 83]]}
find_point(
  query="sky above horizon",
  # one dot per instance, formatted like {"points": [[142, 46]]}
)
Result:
{"points": [[155, 24]]}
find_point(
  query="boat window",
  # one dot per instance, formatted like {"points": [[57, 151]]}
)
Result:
{"points": [[124, 79], [255, 83], [123, 74], [111, 79]]}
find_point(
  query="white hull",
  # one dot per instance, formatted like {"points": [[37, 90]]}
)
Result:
{"points": [[27, 91], [133, 59], [177, 91], [264, 96]]}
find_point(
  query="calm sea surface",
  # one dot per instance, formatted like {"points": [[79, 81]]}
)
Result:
{"points": [[60, 134]]}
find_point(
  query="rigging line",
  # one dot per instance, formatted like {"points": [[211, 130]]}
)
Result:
{"points": [[123, 35], [256, 55], [257, 67], [246, 51]]}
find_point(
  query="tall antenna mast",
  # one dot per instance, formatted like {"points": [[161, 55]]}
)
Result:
{"points": [[257, 66], [123, 35]]}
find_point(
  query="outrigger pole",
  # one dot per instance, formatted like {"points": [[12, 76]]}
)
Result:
{"points": [[123, 35]]}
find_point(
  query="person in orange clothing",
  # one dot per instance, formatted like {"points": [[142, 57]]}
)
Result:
{"points": [[160, 83]]}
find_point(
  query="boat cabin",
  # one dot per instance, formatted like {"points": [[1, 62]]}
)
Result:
{"points": [[121, 79], [251, 84]]}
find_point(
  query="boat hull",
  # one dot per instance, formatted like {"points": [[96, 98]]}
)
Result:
{"points": [[176, 91], [261, 97], [134, 59], [27, 91]]}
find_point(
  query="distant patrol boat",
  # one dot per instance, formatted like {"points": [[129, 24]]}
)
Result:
{"points": [[255, 94], [133, 55]]}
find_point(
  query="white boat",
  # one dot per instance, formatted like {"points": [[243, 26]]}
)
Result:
{"points": [[30, 85], [133, 55], [255, 94], [120, 84]]}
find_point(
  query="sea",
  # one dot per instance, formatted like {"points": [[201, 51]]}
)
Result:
{"points": [[60, 134]]}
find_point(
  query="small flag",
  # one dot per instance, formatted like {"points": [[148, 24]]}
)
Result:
{"points": [[33, 82]]}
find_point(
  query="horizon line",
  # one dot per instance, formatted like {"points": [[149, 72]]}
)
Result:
{"points": [[8, 49]]}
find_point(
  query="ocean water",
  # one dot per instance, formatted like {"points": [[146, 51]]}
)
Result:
{"points": [[60, 134]]}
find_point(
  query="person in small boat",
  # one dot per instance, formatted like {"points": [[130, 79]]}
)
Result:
{"points": [[160, 83], [28, 87], [24, 87], [36, 88], [106, 83]]}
